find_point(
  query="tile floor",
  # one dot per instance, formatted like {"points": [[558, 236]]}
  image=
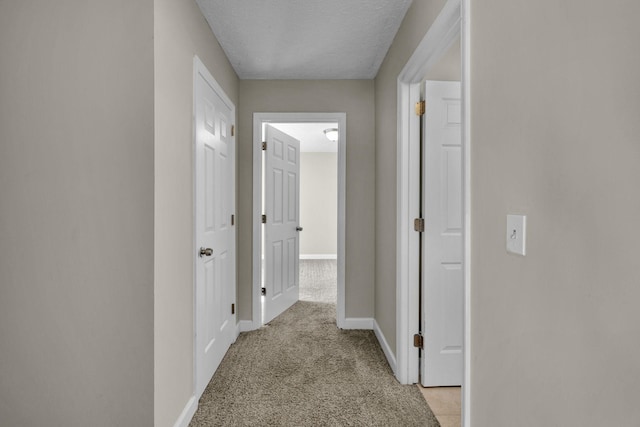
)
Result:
{"points": [[445, 404]]}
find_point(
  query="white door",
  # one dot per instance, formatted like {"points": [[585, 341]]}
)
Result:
{"points": [[281, 230], [215, 235], [442, 296]]}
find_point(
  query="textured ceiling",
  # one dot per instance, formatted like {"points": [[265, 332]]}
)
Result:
{"points": [[305, 39]]}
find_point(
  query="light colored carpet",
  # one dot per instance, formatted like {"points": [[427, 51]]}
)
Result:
{"points": [[301, 370], [318, 280]]}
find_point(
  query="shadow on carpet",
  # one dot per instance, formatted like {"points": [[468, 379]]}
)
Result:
{"points": [[301, 370]]}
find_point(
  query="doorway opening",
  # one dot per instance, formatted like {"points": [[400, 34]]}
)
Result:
{"points": [[320, 240], [318, 203], [451, 24]]}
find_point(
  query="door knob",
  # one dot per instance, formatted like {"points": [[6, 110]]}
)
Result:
{"points": [[298, 228], [206, 252]]}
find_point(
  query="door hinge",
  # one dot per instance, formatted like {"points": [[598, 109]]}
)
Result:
{"points": [[418, 225], [233, 130], [233, 219], [264, 219], [233, 309], [264, 291], [418, 341], [264, 145], [420, 107]]}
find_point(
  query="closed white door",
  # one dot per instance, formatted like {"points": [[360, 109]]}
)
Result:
{"points": [[215, 235], [442, 291], [281, 229]]}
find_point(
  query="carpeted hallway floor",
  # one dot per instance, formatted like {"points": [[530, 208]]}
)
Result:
{"points": [[301, 370]]}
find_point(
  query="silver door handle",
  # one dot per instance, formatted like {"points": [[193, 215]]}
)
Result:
{"points": [[298, 228], [206, 252]]}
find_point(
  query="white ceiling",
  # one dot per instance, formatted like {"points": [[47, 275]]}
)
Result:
{"points": [[310, 135], [305, 39]]}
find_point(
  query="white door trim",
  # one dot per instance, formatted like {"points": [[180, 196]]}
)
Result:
{"points": [[451, 23], [258, 120], [465, 86]]}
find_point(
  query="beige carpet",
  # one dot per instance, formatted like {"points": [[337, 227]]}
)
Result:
{"points": [[300, 370], [319, 280]]}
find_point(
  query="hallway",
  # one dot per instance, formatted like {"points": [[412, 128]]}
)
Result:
{"points": [[301, 370]]}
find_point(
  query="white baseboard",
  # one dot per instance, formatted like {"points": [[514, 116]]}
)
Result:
{"points": [[187, 413], [358, 323], [318, 256], [385, 346]]}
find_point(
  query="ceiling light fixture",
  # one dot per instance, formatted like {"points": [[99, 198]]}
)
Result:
{"points": [[331, 134]]}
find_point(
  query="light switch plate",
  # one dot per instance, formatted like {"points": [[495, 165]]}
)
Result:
{"points": [[517, 234]]}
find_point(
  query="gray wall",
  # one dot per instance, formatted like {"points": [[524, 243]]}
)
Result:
{"points": [[319, 203], [180, 33], [556, 135], [417, 21], [76, 213], [356, 98], [449, 67]]}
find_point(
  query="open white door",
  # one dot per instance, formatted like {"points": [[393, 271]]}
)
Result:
{"points": [[282, 209], [443, 281], [215, 253]]}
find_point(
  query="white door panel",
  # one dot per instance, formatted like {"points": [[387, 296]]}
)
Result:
{"points": [[443, 281], [215, 198], [282, 193]]}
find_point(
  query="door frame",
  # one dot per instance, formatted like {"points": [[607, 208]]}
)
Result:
{"points": [[266, 117], [452, 22]]}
